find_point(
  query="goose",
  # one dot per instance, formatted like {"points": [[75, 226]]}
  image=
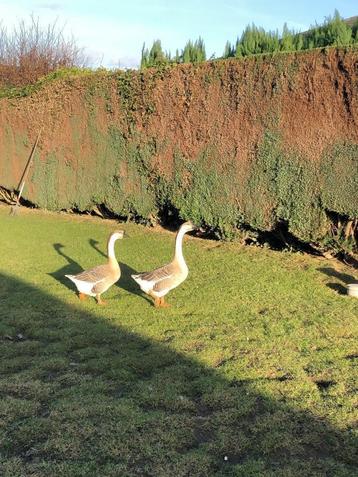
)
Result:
{"points": [[160, 281], [97, 280]]}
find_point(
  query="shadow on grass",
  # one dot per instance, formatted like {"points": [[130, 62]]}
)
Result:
{"points": [[83, 397], [344, 279], [71, 268], [94, 244]]}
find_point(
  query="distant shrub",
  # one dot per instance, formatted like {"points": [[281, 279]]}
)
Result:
{"points": [[31, 50]]}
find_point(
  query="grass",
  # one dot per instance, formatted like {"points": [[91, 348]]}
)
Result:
{"points": [[249, 373]]}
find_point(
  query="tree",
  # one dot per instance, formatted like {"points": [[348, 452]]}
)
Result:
{"points": [[32, 50], [248, 41], [229, 50], [355, 31], [194, 52], [144, 62], [338, 33], [256, 40], [187, 53], [334, 32], [298, 42], [287, 39], [199, 48], [155, 56]]}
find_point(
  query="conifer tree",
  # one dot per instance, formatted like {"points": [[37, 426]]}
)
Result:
{"points": [[355, 31], [229, 50], [298, 42], [287, 40], [199, 48], [187, 52], [155, 56], [144, 57], [177, 58], [194, 52], [334, 32], [338, 33], [238, 50]]}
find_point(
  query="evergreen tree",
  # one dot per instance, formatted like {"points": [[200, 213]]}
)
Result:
{"points": [[199, 48], [194, 52], [144, 58], [238, 49], [355, 31], [298, 42], [256, 40], [177, 57], [338, 33], [155, 56], [269, 42], [248, 41], [287, 40], [334, 32], [229, 50], [187, 52]]}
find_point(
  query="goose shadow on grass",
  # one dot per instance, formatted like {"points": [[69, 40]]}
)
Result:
{"points": [[70, 268], [344, 279], [83, 395]]}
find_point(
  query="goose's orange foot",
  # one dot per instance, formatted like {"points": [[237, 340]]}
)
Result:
{"points": [[100, 301], [157, 302], [163, 303], [82, 296]]}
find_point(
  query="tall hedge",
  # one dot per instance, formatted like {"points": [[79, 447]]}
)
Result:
{"points": [[113, 156]]}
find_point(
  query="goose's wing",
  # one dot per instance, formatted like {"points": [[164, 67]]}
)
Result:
{"points": [[157, 275], [165, 284], [102, 285], [93, 275]]}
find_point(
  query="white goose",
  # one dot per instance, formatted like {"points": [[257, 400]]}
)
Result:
{"points": [[97, 280], [160, 281]]}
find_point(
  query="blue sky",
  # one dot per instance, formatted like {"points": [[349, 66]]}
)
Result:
{"points": [[113, 32]]}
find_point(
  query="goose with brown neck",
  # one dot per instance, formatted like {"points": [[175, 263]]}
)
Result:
{"points": [[97, 280], [160, 281]]}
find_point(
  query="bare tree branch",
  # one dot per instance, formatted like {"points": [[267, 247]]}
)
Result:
{"points": [[32, 50]]}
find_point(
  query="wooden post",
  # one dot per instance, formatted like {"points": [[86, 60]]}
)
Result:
{"points": [[24, 176]]}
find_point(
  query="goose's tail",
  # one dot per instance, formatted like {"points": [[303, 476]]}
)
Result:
{"points": [[144, 284]]}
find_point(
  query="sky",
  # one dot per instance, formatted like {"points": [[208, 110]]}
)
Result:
{"points": [[113, 31]]}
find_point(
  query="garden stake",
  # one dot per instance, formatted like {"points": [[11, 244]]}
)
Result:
{"points": [[14, 208]]}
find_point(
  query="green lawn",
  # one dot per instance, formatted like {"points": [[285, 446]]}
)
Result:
{"points": [[251, 372]]}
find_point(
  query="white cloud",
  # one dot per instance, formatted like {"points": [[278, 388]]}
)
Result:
{"points": [[50, 6]]}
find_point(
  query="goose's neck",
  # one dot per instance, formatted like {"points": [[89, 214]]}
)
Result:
{"points": [[179, 249], [110, 249]]}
